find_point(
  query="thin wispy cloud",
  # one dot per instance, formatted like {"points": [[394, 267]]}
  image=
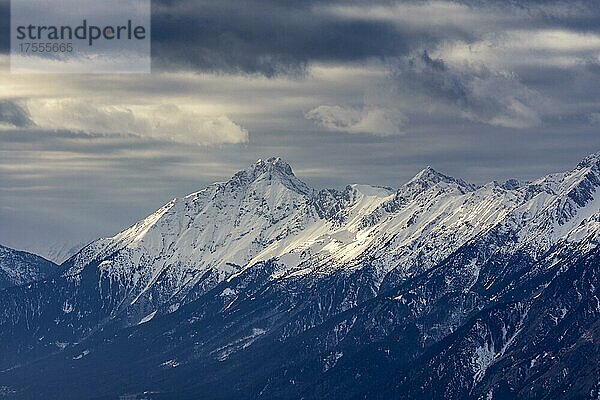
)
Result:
{"points": [[357, 120]]}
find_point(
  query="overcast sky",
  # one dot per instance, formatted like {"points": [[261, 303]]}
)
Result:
{"points": [[347, 92]]}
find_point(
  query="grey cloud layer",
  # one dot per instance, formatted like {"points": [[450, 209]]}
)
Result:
{"points": [[273, 37], [351, 91], [266, 37]]}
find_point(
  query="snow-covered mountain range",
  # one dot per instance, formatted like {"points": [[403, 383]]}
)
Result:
{"points": [[438, 284]]}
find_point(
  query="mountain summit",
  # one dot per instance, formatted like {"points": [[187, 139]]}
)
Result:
{"points": [[272, 164], [429, 177], [438, 289], [273, 168]]}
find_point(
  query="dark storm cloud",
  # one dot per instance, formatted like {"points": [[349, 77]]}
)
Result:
{"points": [[478, 94], [270, 37], [275, 37], [283, 37]]}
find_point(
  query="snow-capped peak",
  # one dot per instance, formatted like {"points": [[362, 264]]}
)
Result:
{"points": [[272, 163], [269, 169], [428, 174], [429, 177]]}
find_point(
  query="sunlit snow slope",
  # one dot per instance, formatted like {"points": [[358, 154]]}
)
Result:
{"points": [[265, 212]]}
